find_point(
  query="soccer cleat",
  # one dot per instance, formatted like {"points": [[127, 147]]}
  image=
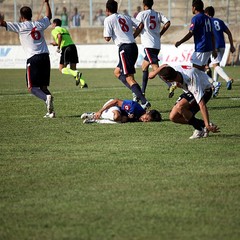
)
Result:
{"points": [[229, 84], [90, 121], [171, 91], [84, 85], [50, 115], [49, 103], [146, 105], [197, 134], [88, 115], [205, 132], [135, 98], [78, 77], [216, 89]]}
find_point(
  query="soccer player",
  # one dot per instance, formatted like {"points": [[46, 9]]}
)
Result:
{"points": [[121, 111], [31, 34], [150, 38], [119, 28], [68, 51], [197, 92], [201, 30], [219, 28]]}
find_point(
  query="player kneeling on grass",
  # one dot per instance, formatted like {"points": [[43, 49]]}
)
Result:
{"points": [[197, 92], [121, 111]]}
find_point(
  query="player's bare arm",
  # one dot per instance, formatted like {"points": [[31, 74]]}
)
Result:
{"points": [[165, 28], [186, 38], [204, 111], [155, 72], [138, 30], [114, 102], [48, 9]]}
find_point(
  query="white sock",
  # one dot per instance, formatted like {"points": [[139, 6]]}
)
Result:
{"points": [[221, 72]]}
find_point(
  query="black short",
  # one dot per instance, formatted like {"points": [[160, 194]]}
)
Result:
{"points": [[128, 54], [151, 55], [194, 107], [69, 55], [38, 70]]}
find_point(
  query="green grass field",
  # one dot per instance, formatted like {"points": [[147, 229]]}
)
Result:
{"points": [[62, 179]]}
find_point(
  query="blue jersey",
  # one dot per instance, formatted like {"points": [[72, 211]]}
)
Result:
{"points": [[202, 32], [218, 29], [130, 107]]}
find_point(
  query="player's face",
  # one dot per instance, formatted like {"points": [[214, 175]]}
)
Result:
{"points": [[145, 118]]}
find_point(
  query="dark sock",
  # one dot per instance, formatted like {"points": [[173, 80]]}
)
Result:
{"points": [[196, 123], [122, 78], [137, 90], [144, 81]]}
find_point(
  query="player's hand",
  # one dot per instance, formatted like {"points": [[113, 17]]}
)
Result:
{"points": [[59, 50], [152, 75], [177, 44], [232, 49], [214, 53], [97, 115], [213, 128]]}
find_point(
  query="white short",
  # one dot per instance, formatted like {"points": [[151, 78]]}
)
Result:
{"points": [[108, 114], [200, 58], [219, 57]]}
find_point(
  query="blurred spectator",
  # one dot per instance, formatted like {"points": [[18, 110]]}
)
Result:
{"points": [[64, 16], [99, 17], [76, 18], [125, 12], [138, 10]]}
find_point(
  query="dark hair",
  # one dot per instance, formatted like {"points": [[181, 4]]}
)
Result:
{"points": [[58, 22], [112, 6], [168, 73], [148, 3], [155, 116], [210, 11], [198, 4], [26, 12]]}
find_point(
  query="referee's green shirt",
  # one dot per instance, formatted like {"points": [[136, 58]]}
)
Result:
{"points": [[66, 38]]}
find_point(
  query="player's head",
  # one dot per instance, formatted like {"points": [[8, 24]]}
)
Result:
{"points": [[148, 3], [210, 11], [151, 116], [168, 73], [57, 22], [112, 6], [197, 5], [26, 13]]}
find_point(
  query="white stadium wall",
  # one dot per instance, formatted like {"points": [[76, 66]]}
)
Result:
{"points": [[101, 56]]}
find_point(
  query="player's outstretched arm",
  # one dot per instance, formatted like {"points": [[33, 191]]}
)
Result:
{"points": [[48, 9], [184, 39]]}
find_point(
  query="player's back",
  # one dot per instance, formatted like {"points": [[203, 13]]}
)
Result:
{"points": [[202, 32], [150, 35], [120, 28], [218, 29]]}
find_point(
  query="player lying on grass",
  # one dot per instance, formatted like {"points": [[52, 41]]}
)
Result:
{"points": [[197, 92], [121, 111]]}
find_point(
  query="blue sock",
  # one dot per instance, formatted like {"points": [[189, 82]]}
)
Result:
{"points": [[137, 90], [144, 81]]}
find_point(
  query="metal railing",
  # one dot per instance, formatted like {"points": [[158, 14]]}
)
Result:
{"points": [[178, 11]]}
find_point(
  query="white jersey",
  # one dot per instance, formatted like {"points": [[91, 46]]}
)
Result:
{"points": [[194, 81], [31, 35], [150, 35], [120, 28]]}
